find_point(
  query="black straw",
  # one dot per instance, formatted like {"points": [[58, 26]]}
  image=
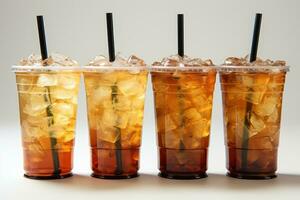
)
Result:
{"points": [[255, 38], [110, 37], [253, 55], [180, 36], [42, 37], [112, 57], [47, 97]]}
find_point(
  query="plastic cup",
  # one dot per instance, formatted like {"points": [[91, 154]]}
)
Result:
{"points": [[115, 104], [48, 105], [183, 104], [252, 101]]}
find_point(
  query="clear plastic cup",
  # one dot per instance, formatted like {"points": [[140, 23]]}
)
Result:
{"points": [[183, 104], [115, 104], [48, 106], [252, 101]]}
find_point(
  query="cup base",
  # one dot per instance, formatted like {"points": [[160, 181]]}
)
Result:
{"points": [[114, 176], [54, 176], [182, 176], [251, 176]]}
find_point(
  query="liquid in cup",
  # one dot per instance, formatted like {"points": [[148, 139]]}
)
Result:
{"points": [[183, 93], [115, 103], [48, 105], [252, 102]]}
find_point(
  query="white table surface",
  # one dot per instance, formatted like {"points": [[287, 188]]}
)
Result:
{"points": [[148, 186]]}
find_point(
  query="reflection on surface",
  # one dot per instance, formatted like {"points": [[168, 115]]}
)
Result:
{"points": [[216, 182]]}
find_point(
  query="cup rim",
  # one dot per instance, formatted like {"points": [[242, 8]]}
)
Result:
{"points": [[32, 68], [94, 68], [160, 68], [250, 68]]}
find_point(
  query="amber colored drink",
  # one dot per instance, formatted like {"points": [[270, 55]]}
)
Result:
{"points": [[115, 103], [183, 105], [48, 105], [252, 104]]}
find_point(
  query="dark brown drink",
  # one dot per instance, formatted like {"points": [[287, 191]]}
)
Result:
{"points": [[183, 103], [252, 101]]}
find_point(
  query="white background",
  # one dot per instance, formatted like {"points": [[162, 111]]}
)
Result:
{"points": [[213, 29]]}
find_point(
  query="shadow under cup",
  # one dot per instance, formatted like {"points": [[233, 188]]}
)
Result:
{"points": [[115, 104], [183, 104], [252, 101], [48, 106]]}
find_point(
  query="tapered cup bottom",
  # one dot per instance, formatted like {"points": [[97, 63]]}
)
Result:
{"points": [[51, 177], [114, 176], [251, 176], [182, 176]]}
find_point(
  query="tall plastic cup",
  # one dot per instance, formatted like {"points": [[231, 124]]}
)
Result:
{"points": [[48, 105], [183, 104], [252, 101], [115, 104]]}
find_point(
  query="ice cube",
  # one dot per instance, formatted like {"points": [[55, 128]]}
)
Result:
{"points": [[171, 62], [170, 123], [130, 87], [122, 119], [112, 118], [120, 60], [199, 129], [39, 121], [257, 125], [235, 61], [56, 59], [61, 93], [135, 61], [138, 102], [61, 120], [191, 115], [66, 109], [100, 61], [258, 88], [32, 132], [135, 118], [196, 134], [267, 106], [68, 81], [47, 80], [279, 63], [135, 139], [248, 81], [123, 103], [102, 93], [32, 60], [273, 116], [199, 62], [108, 134], [36, 105]]}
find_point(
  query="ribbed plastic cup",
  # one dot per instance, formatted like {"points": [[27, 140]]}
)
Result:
{"points": [[183, 103], [48, 105], [252, 101], [115, 104]]}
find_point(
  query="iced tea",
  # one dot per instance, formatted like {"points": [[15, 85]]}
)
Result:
{"points": [[252, 102], [183, 104], [115, 103], [48, 105]]}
